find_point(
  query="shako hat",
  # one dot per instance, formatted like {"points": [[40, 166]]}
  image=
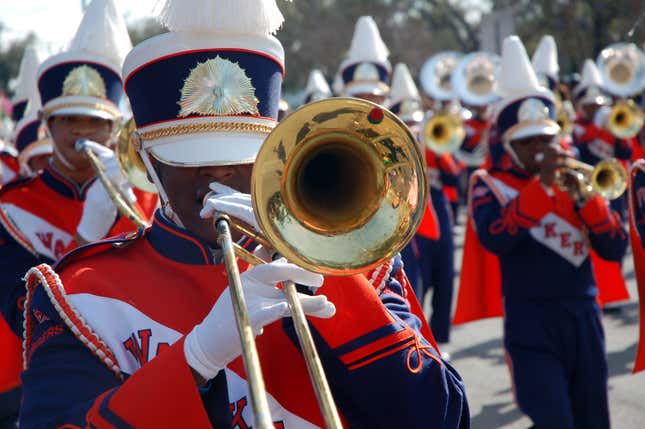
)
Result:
{"points": [[545, 62], [85, 79], [405, 101], [207, 92], [25, 82], [590, 90], [526, 109], [317, 87], [366, 68]]}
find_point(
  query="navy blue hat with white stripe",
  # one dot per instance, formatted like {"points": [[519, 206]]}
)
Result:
{"points": [[86, 79], [591, 89], [208, 91], [526, 109]]}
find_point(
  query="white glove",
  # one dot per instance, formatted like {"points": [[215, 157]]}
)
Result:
{"points": [[98, 215], [215, 342], [99, 212], [112, 168], [231, 202], [601, 118]]}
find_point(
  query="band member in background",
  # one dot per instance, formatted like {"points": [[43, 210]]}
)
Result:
{"points": [[366, 69], [429, 259], [33, 146], [43, 216], [541, 230], [167, 320]]}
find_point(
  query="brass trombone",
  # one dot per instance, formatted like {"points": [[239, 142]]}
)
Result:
{"points": [[607, 179], [337, 188], [118, 197]]}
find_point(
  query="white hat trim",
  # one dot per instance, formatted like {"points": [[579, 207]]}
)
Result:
{"points": [[529, 129], [219, 140], [76, 57], [174, 44], [83, 106]]}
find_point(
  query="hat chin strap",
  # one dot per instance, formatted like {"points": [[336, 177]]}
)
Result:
{"points": [[165, 202], [509, 149]]}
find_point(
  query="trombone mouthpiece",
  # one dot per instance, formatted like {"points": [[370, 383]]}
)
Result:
{"points": [[80, 145], [539, 157]]}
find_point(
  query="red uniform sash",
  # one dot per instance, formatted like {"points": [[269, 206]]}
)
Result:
{"points": [[480, 296], [639, 267]]}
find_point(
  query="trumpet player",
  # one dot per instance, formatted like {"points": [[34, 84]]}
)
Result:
{"points": [[163, 350], [541, 230]]}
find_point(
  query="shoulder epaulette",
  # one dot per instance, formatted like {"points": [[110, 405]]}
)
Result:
{"points": [[98, 247]]}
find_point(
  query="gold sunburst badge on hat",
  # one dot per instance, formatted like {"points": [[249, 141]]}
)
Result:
{"points": [[84, 81], [218, 87]]}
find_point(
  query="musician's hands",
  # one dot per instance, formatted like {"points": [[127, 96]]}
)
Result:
{"points": [[231, 202], [215, 342], [551, 159], [99, 211]]}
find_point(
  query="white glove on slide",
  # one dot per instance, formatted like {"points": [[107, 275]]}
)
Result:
{"points": [[215, 342], [99, 211], [231, 202]]}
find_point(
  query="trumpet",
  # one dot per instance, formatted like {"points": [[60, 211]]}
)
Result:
{"points": [[444, 133], [625, 120], [607, 179], [328, 176]]}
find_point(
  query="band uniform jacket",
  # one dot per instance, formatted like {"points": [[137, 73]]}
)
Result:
{"points": [[38, 220], [109, 325]]}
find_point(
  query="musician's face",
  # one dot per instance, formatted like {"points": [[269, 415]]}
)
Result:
{"points": [[527, 149], [187, 186], [66, 129]]}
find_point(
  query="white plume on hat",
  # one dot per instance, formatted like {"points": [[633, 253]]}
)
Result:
{"points": [[517, 77], [367, 44], [26, 83], [225, 16], [590, 76], [403, 86], [338, 85], [102, 32], [317, 84], [545, 57]]}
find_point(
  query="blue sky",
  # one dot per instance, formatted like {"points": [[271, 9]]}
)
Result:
{"points": [[55, 21]]}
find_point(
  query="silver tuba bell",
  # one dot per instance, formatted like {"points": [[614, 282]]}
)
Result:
{"points": [[475, 78], [436, 75], [622, 67]]}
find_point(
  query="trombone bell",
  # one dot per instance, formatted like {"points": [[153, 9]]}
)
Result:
{"points": [[607, 179], [339, 186]]}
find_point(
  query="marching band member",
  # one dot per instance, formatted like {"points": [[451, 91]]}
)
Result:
{"points": [[33, 146], [366, 69], [317, 87], [118, 319], [40, 216], [25, 90], [431, 254], [541, 234]]}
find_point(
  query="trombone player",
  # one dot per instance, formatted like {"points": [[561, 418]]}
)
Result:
{"points": [[166, 320]]}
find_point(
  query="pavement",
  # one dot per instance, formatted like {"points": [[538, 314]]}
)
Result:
{"points": [[476, 351]]}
